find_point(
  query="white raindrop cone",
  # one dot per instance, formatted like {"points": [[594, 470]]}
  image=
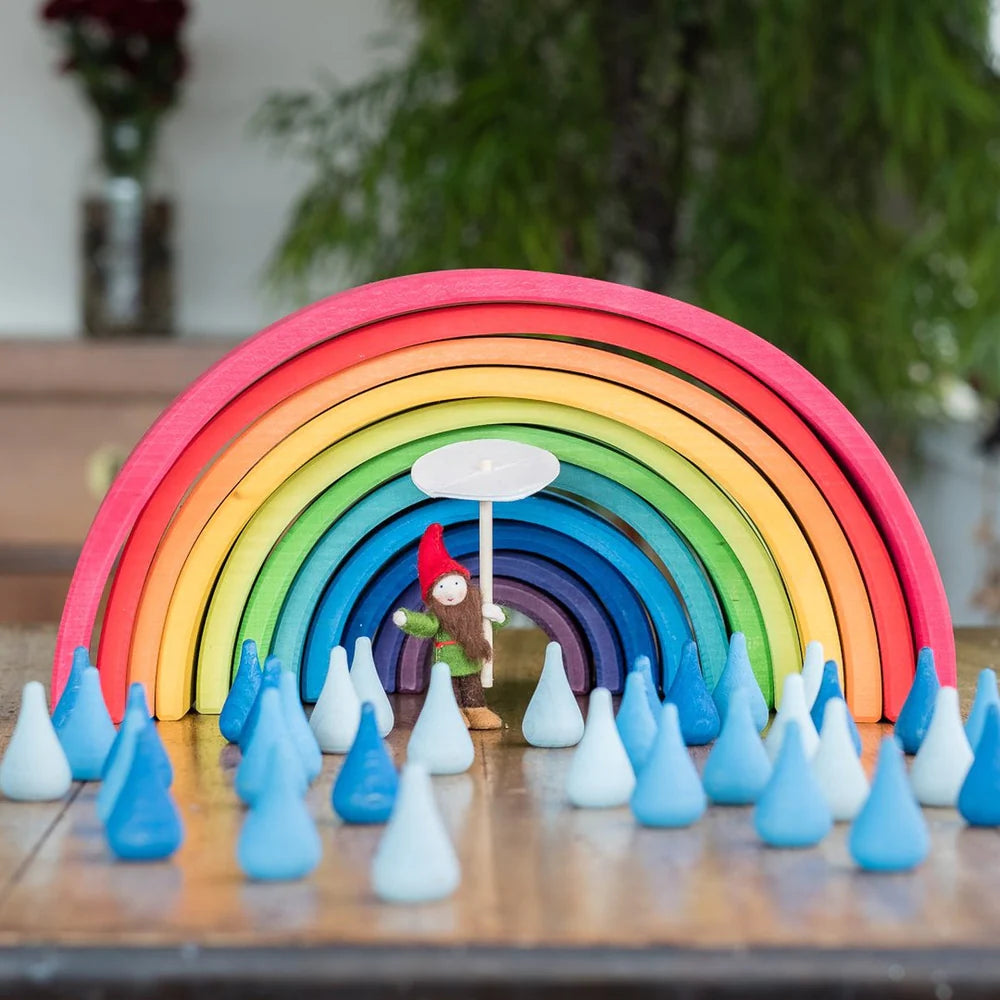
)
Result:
{"points": [[440, 739], [553, 717], [812, 671], [836, 764], [944, 757], [415, 861], [337, 712], [364, 677], [600, 774], [34, 767], [793, 708]]}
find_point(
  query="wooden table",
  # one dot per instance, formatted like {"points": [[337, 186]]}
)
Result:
{"points": [[554, 901]]}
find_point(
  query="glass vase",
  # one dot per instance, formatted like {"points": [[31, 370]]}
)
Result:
{"points": [[128, 216]]}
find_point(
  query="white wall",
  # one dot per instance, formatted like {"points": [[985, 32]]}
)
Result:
{"points": [[951, 493], [232, 190]]}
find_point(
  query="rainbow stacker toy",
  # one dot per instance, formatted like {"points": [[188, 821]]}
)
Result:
{"points": [[244, 507]]}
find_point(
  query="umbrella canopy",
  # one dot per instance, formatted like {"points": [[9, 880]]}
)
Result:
{"points": [[485, 469]]}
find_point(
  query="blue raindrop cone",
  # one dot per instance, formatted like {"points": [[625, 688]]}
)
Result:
{"points": [[915, 715], [979, 799], [119, 761], [365, 789], [81, 660], [829, 687], [144, 824], [699, 718], [986, 695], [88, 732], [137, 700], [242, 695]]}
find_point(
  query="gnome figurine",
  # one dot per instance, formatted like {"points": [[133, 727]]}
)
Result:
{"points": [[454, 619]]}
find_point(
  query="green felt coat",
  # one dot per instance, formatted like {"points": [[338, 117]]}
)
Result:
{"points": [[425, 625]]}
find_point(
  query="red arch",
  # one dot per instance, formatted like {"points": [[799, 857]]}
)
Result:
{"points": [[678, 333]]}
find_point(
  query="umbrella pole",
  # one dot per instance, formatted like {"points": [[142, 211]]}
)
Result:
{"points": [[486, 579]]}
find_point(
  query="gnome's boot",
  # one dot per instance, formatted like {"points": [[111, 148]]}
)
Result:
{"points": [[482, 717]]}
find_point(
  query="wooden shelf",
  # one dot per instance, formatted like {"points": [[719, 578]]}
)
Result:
{"points": [[68, 410]]}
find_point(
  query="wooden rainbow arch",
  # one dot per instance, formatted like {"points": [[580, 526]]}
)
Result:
{"points": [[723, 485]]}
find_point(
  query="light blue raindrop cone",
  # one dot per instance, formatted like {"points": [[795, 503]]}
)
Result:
{"points": [[792, 810], [440, 739], [668, 791], [738, 768], [642, 665], [415, 861], [271, 728], [738, 675], [812, 672], [600, 775], [553, 717], [298, 726], [889, 834], [271, 678], [279, 840], [364, 677], [636, 724]]}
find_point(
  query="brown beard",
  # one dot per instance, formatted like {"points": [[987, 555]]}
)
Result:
{"points": [[464, 623]]}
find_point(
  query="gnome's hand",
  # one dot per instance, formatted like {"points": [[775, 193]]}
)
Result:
{"points": [[399, 618], [493, 612]]}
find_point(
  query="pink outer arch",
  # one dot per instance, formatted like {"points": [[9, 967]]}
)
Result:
{"points": [[842, 434]]}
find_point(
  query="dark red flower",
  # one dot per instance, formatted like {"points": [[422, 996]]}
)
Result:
{"points": [[160, 19], [64, 10], [155, 19]]}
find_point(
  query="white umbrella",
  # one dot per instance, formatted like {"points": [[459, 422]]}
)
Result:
{"points": [[488, 470]]}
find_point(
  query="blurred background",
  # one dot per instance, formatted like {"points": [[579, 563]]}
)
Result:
{"points": [[175, 175]]}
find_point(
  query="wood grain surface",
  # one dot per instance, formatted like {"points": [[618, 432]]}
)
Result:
{"points": [[536, 873]]}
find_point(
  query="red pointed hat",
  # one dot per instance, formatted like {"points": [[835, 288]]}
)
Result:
{"points": [[433, 560]]}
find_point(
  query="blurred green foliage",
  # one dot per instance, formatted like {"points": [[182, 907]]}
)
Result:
{"points": [[827, 175]]}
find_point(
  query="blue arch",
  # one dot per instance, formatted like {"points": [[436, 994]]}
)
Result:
{"points": [[557, 515], [372, 611]]}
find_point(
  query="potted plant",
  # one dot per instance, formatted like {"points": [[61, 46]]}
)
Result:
{"points": [[824, 174], [129, 60]]}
